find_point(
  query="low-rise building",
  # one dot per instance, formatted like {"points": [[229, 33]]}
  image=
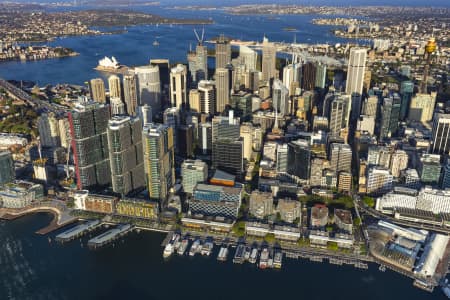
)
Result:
{"points": [[289, 210], [319, 216], [83, 200], [213, 200], [343, 220], [261, 204], [19, 194], [257, 229], [217, 224], [322, 238], [137, 208]]}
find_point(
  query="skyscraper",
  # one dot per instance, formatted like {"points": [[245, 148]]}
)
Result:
{"points": [[280, 98], [97, 90], [321, 76], [194, 100], [309, 76], [223, 52], [341, 157], [406, 92], [390, 116], [130, 93], [440, 134], [207, 92], [7, 171], [198, 63], [157, 140], [339, 114], [149, 87], [299, 159], [88, 126], [355, 71], [370, 106], [227, 155], [222, 89], [178, 90], [225, 127], [115, 89], [269, 54], [125, 153], [248, 57], [422, 107]]}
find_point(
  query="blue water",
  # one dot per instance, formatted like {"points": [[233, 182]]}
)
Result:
{"points": [[135, 47], [33, 268]]}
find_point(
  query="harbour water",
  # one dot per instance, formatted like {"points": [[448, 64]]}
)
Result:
{"points": [[133, 268], [135, 47]]}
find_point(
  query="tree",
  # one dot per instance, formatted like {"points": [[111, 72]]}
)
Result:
{"points": [[239, 228], [357, 222], [369, 201], [269, 238], [332, 246]]}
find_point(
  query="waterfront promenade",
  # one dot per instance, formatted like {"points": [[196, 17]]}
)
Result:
{"points": [[61, 213]]}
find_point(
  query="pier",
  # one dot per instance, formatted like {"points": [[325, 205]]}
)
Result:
{"points": [[77, 231], [109, 236]]}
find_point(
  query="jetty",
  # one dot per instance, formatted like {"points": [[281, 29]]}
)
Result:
{"points": [[77, 231], [109, 236]]}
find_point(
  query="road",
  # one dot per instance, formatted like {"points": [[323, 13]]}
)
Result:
{"points": [[37, 104]]}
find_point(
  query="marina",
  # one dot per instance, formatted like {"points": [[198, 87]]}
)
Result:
{"points": [[109, 236], [223, 253], [77, 231]]}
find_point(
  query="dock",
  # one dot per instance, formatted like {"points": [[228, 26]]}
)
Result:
{"points": [[109, 236], [77, 231]]}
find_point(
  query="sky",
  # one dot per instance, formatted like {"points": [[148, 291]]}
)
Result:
{"points": [[444, 3]]}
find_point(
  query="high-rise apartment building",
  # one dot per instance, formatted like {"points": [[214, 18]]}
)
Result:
{"points": [[115, 88], [88, 125], [125, 154], [159, 161], [97, 90], [130, 93], [178, 89]]}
